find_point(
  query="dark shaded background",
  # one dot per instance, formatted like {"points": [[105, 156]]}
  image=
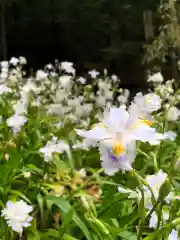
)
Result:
{"points": [[91, 33]]}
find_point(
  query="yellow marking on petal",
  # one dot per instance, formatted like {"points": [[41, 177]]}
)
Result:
{"points": [[117, 148], [102, 125], [141, 122], [147, 122]]}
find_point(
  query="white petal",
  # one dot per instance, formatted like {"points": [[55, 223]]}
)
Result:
{"points": [[97, 133], [123, 162], [153, 220], [144, 133], [173, 235], [170, 135], [123, 190], [116, 118]]}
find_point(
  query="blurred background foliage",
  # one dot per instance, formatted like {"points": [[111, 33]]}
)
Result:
{"points": [[127, 37]]}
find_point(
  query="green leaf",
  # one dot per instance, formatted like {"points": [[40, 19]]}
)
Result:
{"points": [[164, 190], [65, 207], [50, 233], [66, 221], [112, 204], [20, 194], [4, 170], [67, 237], [127, 235], [40, 201], [14, 158]]}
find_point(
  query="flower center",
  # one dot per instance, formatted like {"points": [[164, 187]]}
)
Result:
{"points": [[117, 148]]}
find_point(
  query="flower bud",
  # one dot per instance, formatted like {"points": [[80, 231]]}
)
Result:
{"points": [[177, 165], [27, 174], [164, 190]]}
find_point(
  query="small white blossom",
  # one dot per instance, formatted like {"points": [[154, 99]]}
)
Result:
{"points": [[153, 220], [22, 60], [68, 67], [93, 73], [65, 81], [173, 114], [114, 78], [82, 172], [27, 174], [173, 235], [40, 75], [49, 66], [16, 122], [148, 103], [4, 65], [156, 78], [3, 76], [155, 182], [20, 107], [53, 146], [14, 61], [82, 80], [4, 89], [17, 215]]}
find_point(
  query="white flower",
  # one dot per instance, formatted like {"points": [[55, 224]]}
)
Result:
{"points": [[16, 122], [20, 107], [4, 64], [65, 81], [102, 85], [121, 99], [173, 235], [14, 61], [173, 114], [93, 73], [4, 89], [117, 129], [116, 135], [17, 215], [68, 67], [147, 103], [82, 172], [82, 80], [27, 174], [114, 78], [22, 60], [156, 181], [156, 78], [49, 66], [3, 76], [53, 146], [153, 220], [101, 101], [29, 86], [40, 74]]}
